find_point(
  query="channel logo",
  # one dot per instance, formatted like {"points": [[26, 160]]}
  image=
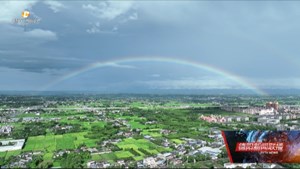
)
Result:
{"points": [[25, 14], [26, 19]]}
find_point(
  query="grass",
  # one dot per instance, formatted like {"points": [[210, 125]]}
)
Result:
{"points": [[136, 125], [137, 104], [138, 158], [108, 157], [66, 142], [12, 153], [96, 157], [2, 154], [48, 156], [113, 156], [56, 164], [152, 132], [123, 154], [128, 144], [143, 144], [178, 141]]}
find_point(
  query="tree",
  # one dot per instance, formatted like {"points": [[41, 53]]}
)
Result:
{"points": [[45, 164], [35, 162], [74, 160]]}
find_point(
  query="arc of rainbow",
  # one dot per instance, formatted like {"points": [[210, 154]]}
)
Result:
{"points": [[206, 67]]}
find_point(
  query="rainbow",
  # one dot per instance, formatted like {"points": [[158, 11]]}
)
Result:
{"points": [[118, 62]]}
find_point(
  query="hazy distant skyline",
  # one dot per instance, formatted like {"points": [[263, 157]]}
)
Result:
{"points": [[254, 42]]}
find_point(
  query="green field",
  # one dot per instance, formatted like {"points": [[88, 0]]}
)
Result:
{"points": [[105, 157], [142, 144], [48, 156], [123, 154], [127, 144], [136, 125], [8, 154], [152, 132], [118, 155], [178, 141], [52, 143], [137, 104]]}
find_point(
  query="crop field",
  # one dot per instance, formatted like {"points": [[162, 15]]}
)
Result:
{"points": [[48, 156], [105, 157], [141, 144], [123, 154], [137, 145], [7, 154], [136, 125], [137, 104], [152, 132], [118, 155], [51, 143], [178, 141], [65, 142]]}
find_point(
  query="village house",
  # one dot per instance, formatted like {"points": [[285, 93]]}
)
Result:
{"points": [[6, 130], [94, 164], [149, 162]]}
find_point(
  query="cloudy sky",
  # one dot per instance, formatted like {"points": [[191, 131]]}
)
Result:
{"points": [[256, 42]]}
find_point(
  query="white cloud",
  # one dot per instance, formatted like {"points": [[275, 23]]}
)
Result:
{"points": [[13, 9], [94, 29], [115, 28], [155, 75], [41, 34], [55, 5], [190, 83], [109, 10], [120, 66], [133, 16], [16, 36], [112, 14], [278, 83]]}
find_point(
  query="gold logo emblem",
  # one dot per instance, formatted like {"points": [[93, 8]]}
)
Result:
{"points": [[25, 14]]}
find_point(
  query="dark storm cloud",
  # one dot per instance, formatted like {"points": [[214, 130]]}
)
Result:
{"points": [[32, 64]]}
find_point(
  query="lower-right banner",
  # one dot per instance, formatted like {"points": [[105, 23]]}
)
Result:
{"points": [[254, 146]]}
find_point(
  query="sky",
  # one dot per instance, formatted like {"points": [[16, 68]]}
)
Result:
{"points": [[236, 45]]}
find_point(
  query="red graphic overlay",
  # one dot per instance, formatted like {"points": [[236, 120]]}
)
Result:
{"points": [[227, 147]]}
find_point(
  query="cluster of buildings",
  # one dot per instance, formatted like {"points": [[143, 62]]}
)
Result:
{"points": [[22, 160], [8, 120], [212, 152], [95, 164], [251, 165], [62, 128], [270, 108], [159, 161], [188, 147], [195, 147], [280, 117], [274, 105], [27, 119], [281, 122], [223, 119]]}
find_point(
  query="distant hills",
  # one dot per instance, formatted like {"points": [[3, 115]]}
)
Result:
{"points": [[160, 91]]}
